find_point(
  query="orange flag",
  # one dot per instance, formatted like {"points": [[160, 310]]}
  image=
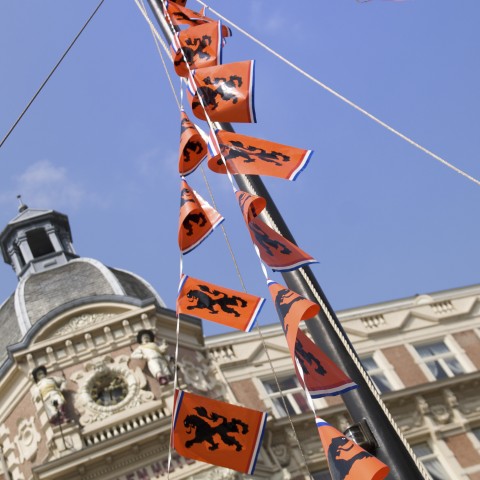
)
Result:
{"points": [[216, 432], [218, 304], [197, 219], [254, 156], [200, 46], [224, 92], [193, 147], [180, 15], [320, 375], [274, 250], [347, 460], [291, 308]]}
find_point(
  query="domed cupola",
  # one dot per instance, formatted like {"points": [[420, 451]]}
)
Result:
{"points": [[54, 280]]}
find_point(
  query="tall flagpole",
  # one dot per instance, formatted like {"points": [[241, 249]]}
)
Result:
{"points": [[363, 403]]}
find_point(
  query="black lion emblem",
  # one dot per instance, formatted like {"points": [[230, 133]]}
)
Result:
{"points": [[204, 299], [305, 357], [204, 431], [268, 243], [339, 467], [251, 153], [194, 218], [226, 90]]}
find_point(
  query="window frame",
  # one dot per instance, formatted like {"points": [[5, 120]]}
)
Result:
{"points": [[268, 398], [455, 351], [434, 454], [385, 367]]}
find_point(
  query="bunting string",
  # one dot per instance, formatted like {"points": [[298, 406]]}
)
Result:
{"points": [[339, 333], [265, 348], [157, 41], [343, 98]]}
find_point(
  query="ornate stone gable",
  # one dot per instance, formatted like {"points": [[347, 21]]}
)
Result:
{"points": [[82, 321]]}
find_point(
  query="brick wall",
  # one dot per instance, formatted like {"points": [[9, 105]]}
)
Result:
{"points": [[464, 451], [405, 367], [470, 342], [247, 394]]}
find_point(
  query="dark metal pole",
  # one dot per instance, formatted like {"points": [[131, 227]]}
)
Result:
{"points": [[361, 403]]}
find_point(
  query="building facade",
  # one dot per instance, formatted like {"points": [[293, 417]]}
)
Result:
{"points": [[86, 373]]}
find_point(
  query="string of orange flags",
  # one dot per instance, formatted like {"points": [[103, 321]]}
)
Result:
{"points": [[224, 93]]}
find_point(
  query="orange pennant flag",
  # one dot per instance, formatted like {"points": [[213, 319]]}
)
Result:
{"points": [[275, 251], [254, 156], [180, 2], [179, 15], [199, 46], [319, 375], [193, 147], [218, 304], [223, 92], [291, 308], [216, 432], [346, 459], [197, 219]]}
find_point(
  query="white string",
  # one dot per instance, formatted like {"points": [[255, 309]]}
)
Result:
{"points": [[344, 99], [230, 177]]}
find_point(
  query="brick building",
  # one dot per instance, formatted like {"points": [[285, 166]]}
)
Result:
{"points": [[74, 323]]}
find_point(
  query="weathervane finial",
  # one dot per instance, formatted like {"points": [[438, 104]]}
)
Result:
{"points": [[22, 206]]}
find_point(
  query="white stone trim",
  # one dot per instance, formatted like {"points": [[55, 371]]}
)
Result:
{"points": [[20, 308], [158, 298], [109, 276]]}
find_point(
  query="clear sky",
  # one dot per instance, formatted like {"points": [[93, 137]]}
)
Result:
{"points": [[384, 220]]}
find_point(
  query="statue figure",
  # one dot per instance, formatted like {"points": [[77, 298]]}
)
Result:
{"points": [[155, 355], [49, 389]]}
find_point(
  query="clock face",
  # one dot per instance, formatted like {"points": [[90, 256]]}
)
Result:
{"points": [[108, 389]]}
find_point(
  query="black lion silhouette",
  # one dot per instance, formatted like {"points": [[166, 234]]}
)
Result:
{"points": [[226, 89], [339, 467], [266, 242], [308, 357], [204, 300], [204, 431], [194, 218]]}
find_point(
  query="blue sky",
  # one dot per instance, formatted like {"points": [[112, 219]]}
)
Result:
{"points": [[384, 220]]}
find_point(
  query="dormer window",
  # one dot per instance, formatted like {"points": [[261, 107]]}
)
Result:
{"points": [[39, 242]]}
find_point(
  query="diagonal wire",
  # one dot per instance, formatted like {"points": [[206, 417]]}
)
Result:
{"points": [[345, 99], [12, 128]]}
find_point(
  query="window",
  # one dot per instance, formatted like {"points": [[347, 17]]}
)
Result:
{"points": [[293, 395], [439, 359], [431, 462], [377, 374], [39, 242]]}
